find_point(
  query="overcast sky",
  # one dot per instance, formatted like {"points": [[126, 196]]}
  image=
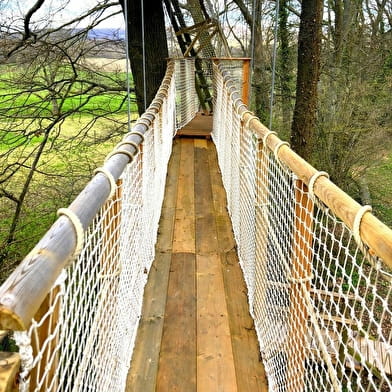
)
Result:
{"points": [[57, 10]]}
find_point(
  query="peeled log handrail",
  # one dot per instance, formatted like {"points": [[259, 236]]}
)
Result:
{"points": [[26, 288], [375, 234]]}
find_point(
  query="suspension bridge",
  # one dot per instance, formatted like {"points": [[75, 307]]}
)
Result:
{"points": [[204, 255]]}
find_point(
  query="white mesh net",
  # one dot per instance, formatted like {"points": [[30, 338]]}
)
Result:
{"points": [[322, 308], [186, 97], [83, 336]]}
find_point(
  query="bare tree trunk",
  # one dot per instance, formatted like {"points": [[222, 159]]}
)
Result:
{"points": [[260, 83], [284, 65], [309, 50], [146, 29]]}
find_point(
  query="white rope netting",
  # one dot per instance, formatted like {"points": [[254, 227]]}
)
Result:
{"points": [[187, 101], [322, 308], [84, 337]]}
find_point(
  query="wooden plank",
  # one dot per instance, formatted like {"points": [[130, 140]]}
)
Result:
{"points": [[166, 224], [9, 368], [300, 273], [200, 143], [184, 228], [222, 220], [200, 126], [249, 368], [206, 235], [144, 366], [215, 362], [177, 363]]}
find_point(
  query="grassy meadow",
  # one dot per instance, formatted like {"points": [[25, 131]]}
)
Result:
{"points": [[76, 145]]}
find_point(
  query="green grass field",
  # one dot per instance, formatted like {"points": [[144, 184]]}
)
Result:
{"points": [[93, 124], [380, 184]]}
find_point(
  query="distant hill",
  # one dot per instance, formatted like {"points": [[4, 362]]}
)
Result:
{"points": [[107, 34]]}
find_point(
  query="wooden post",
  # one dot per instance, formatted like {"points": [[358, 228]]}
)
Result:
{"points": [[9, 368], [38, 339], [261, 234], [110, 224], [245, 80], [299, 282]]}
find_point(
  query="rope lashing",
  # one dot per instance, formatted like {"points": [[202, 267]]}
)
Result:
{"points": [[232, 93], [78, 228], [276, 152], [129, 143], [266, 136], [145, 121], [313, 180], [241, 105], [110, 178], [247, 111], [121, 151], [141, 135], [357, 226], [303, 280], [248, 121]]}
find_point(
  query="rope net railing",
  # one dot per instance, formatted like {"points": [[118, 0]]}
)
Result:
{"points": [[186, 98], [75, 301], [318, 270]]}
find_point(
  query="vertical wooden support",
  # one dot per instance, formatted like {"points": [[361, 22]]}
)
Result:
{"points": [[300, 280], [9, 368], [111, 223], [49, 358], [261, 235], [245, 80]]}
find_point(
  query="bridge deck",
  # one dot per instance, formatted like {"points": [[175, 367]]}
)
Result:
{"points": [[196, 333]]}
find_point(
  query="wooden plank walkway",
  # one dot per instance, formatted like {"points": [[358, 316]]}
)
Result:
{"points": [[200, 126], [196, 333]]}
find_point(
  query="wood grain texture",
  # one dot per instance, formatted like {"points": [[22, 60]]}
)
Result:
{"points": [[208, 342], [184, 241], [200, 126], [249, 369], [177, 363], [144, 366], [206, 235], [9, 368], [215, 362]]}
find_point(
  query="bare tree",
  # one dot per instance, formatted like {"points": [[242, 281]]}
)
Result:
{"points": [[308, 73], [147, 45], [51, 110]]}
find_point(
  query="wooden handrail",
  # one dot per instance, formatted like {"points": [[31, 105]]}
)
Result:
{"points": [[375, 234], [26, 288]]}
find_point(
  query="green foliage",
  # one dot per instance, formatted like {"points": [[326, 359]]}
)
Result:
{"points": [[380, 184], [56, 124]]}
